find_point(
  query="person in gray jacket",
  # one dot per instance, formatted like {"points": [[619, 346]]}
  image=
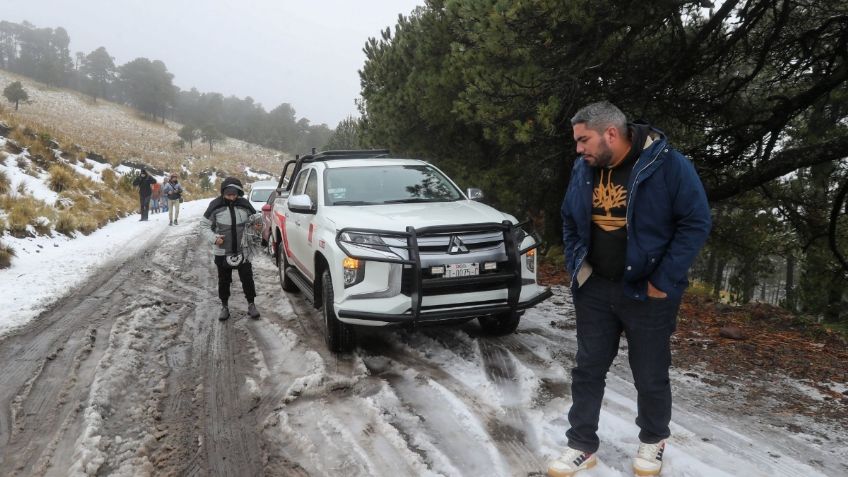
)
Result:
{"points": [[173, 192], [223, 226]]}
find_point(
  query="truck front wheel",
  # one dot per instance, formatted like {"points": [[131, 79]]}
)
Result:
{"points": [[339, 336], [286, 282]]}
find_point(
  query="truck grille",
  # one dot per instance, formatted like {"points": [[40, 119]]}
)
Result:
{"points": [[440, 244], [435, 285]]}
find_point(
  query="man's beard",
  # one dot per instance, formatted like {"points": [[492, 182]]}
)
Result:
{"points": [[604, 157]]}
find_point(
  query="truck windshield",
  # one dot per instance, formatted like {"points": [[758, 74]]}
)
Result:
{"points": [[387, 185], [260, 195]]}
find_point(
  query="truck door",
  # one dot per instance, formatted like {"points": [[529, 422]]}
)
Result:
{"points": [[299, 226]]}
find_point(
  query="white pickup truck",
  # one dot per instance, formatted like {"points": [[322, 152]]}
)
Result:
{"points": [[377, 241]]}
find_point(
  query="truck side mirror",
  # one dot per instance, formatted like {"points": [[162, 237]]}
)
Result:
{"points": [[474, 194], [301, 204]]}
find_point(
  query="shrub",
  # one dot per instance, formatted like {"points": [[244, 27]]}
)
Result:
{"points": [[5, 183], [86, 225], [109, 177], [23, 212], [19, 218], [61, 178], [42, 225], [66, 223], [39, 150], [6, 254], [102, 215], [73, 201], [125, 184], [87, 185]]}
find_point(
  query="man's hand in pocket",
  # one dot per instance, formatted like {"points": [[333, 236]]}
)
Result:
{"points": [[654, 292]]}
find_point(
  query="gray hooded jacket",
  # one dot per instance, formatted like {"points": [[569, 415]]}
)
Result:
{"points": [[230, 220]]}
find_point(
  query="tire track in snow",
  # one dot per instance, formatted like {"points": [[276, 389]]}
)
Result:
{"points": [[515, 434], [49, 366]]}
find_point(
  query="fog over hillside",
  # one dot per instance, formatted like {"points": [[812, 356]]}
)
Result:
{"points": [[122, 134]]}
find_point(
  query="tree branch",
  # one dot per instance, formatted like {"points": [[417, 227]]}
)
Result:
{"points": [[784, 162]]}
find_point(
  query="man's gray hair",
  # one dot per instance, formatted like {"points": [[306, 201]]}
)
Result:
{"points": [[599, 116]]}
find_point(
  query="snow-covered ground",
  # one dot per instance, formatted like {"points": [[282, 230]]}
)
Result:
{"points": [[47, 268], [430, 402]]}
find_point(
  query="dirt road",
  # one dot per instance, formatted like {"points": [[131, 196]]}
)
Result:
{"points": [[133, 375]]}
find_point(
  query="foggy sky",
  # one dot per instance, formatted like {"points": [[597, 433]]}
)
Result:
{"points": [[305, 53]]}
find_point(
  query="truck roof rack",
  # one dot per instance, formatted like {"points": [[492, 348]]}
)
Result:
{"points": [[345, 154]]}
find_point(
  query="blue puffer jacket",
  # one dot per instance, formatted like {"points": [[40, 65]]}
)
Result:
{"points": [[668, 220]]}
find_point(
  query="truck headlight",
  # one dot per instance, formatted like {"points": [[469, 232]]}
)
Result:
{"points": [[372, 241], [354, 271], [530, 260]]}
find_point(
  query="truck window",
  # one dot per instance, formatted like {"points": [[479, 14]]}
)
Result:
{"points": [[298, 183], [312, 187]]}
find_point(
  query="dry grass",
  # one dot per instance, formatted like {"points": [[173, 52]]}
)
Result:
{"points": [[6, 254], [86, 211], [66, 223], [23, 211], [109, 178], [61, 178], [83, 205], [119, 133], [5, 184]]}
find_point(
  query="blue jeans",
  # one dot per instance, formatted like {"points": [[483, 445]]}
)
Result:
{"points": [[603, 312]]}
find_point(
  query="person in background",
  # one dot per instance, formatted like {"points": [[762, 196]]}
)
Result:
{"points": [[155, 197], [223, 226], [163, 201], [174, 192], [635, 215], [144, 182]]}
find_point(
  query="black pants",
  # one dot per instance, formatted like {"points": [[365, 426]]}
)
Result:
{"points": [[603, 312], [225, 278], [145, 205]]}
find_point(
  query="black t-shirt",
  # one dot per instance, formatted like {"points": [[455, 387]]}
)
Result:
{"points": [[608, 250]]}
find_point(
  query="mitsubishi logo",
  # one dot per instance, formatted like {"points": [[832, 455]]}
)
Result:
{"points": [[456, 246]]}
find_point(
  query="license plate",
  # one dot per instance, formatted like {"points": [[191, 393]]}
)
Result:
{"points": [[462, 270]]}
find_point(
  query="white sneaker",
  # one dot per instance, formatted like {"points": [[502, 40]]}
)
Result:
{"points": [[648, 460], [570, 462]]}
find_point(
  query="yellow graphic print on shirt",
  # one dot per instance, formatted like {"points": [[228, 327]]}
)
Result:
{"points": [[609, 196]]}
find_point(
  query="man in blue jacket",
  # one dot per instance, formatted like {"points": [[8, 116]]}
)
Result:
{"points": [[634, 216]]}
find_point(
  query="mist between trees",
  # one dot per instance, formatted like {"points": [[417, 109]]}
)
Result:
{"points": [[43, 54]]}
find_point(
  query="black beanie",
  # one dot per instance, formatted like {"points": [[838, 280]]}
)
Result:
{"points": [[232, 183]]}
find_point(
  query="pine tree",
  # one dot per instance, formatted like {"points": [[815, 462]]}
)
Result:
{"points": [[99, 70], [210, 135], [15, 93], [189, 134]]}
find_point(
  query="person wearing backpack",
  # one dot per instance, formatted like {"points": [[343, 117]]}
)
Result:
{"points": [[173, 191], [223, 226]]}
